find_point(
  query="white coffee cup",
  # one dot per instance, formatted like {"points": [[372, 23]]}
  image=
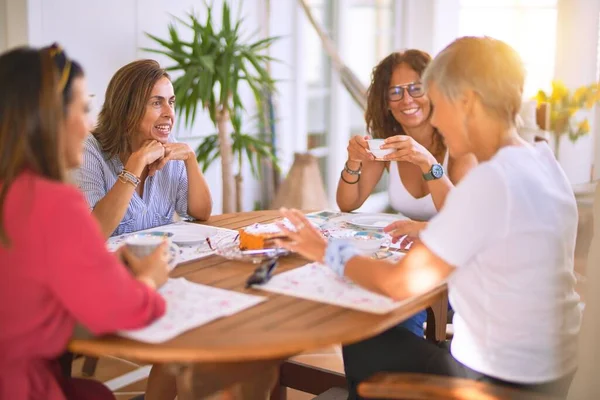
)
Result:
{"points": [[374, 148], [142, 245]]}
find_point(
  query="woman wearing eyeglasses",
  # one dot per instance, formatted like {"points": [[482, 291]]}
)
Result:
{"points": [[421, 170]]}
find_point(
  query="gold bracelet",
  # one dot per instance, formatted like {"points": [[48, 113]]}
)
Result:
{"points": [[124, 180]]}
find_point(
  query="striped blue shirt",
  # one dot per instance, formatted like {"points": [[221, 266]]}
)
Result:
{"points": [[164, 193]]}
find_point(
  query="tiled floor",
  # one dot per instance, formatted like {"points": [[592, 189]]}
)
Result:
{"points": [[123, 377]]}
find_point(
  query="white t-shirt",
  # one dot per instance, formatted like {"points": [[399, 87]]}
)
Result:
{"points": [[509, 228]]}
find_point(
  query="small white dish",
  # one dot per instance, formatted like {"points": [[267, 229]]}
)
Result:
{"points": [[365, 241], [190, 234], [377, 222], [374, 148], [189, 240]]}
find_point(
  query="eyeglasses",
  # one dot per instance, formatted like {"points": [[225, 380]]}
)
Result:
{"points": [[63, 64], [414, 89]]}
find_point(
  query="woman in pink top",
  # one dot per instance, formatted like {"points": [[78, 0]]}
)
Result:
{"points": [[55, 267]]}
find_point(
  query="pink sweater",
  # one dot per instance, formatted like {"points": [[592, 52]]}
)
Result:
{"points": [[57, 272]]}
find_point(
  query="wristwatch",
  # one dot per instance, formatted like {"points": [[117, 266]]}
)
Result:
{"points": [[436, 172]]}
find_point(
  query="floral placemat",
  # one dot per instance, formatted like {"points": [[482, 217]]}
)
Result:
{"points": [[190, 305], [332, 222], [319, 283]]}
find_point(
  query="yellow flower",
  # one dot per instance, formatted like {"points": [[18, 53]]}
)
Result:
{"points": [[541, 97], [583, 126], [559, 91], [591, 101], [580, 93]]}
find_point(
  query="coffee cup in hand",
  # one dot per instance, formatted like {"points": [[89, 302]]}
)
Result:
{"points": [[376, 150], [142, 245]]}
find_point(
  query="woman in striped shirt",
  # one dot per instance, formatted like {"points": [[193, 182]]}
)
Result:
{"points": [[134, 174]]}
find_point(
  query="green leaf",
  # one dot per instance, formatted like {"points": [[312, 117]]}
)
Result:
{"points": [[216, 65]]}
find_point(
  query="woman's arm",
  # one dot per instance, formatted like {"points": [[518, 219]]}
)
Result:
{"points": [[457, 168], [88, 280], [111, 208], [416, 273], [351, 196], [409, 150], [419, 271], [199, 198]]}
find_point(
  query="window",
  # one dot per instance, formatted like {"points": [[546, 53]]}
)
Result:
{"points": [[366, 29], [527, 25]]}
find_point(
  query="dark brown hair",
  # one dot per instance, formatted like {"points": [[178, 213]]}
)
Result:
{"points": [[34, 84], [380, 121], [125, 105]]}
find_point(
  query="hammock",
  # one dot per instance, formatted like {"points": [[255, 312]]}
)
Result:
{"points": [[357, 90]]}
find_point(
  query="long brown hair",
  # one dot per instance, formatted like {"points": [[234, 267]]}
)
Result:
{"points": [[380, 121], [34, 88], [125, 105]]}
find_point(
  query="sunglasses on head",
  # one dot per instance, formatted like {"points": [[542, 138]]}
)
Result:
{"points": [[414, 89], [62, 62]]}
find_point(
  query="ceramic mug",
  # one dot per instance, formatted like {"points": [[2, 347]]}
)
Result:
{"points": [[143, 244], [374, 148]]}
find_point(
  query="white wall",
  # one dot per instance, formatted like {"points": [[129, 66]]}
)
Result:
{"points": [[105, 35], [2, 25], [576, 65]]}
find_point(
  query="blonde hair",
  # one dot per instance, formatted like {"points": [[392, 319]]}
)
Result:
{"points": [[487, 66]]}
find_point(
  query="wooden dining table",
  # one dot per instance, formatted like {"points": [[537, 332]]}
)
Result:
{"points": [[254, 342]]}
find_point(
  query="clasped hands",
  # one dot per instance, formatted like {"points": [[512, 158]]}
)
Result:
{"points": [[155, 154]]}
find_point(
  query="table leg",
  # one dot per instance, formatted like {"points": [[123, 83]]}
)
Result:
{"points": [[437, 316], [226, 381]]}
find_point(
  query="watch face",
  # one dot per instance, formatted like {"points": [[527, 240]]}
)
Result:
{"points": [[437, 171]]}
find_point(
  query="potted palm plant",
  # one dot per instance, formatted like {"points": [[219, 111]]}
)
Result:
{"points": [[214, 64]]}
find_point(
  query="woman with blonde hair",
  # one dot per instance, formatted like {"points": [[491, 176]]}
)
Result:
{"points": [[134, 174], [504, 242]]}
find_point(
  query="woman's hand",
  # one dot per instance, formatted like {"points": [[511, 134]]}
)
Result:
{"points": [[400, 229], [151, 269], [409, 150], [358, 149], [148, 153], [306, 240], [173, 151]]}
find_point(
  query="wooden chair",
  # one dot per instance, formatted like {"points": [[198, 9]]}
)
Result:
{"points": [[424, 387]]}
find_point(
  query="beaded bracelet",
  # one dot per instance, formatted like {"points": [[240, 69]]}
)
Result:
{"points": [[353, 171], [127, 177]]}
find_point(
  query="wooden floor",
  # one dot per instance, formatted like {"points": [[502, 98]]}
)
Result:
{"points": [[127, 379]]}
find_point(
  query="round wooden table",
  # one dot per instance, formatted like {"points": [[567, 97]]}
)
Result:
{"points": [[274, 330]]}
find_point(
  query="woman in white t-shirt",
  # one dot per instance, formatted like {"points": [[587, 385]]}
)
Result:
{"points": [[504, 242]]}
